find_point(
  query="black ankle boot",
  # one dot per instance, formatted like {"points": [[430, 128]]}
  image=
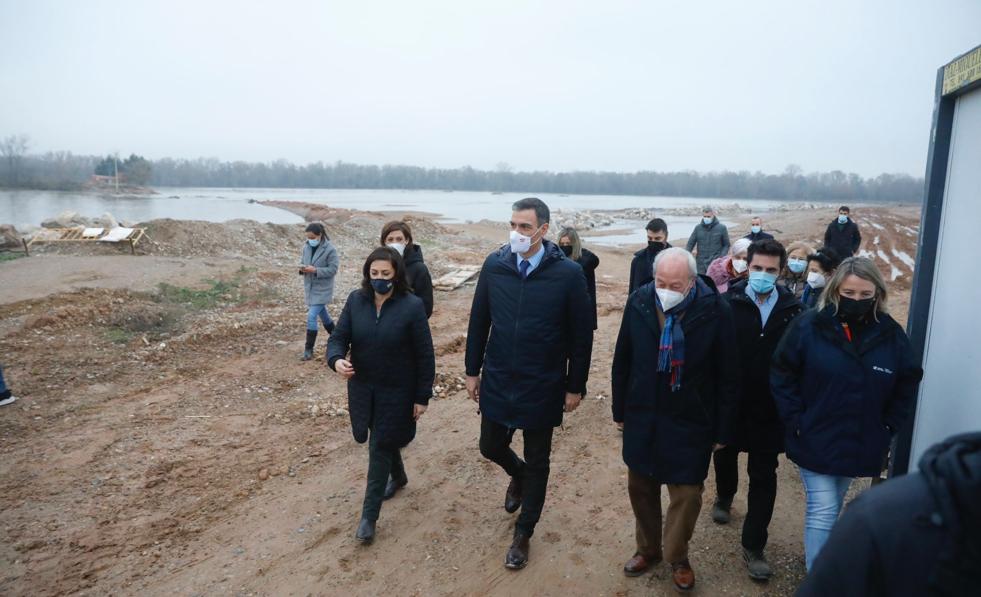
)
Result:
{"points": [[366, 531], [308, 349]]}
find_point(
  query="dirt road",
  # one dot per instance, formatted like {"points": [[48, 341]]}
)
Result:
{"points": [[172, 443]]}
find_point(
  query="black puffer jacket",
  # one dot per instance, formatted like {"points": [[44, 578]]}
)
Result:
{"points": [[394, 364], [919, 534], [589, 262], [417, 274]]}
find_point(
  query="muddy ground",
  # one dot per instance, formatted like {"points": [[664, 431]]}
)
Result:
{"points": [[169, 441]]}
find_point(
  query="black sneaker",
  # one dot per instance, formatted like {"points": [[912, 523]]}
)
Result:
{"points": [[756, 564], [720, 510]]}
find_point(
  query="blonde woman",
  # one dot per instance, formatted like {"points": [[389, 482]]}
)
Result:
{"points": [[794, 275], [843, 379], [571, 246]]}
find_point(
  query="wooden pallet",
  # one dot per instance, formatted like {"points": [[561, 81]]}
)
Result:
{"points": [[456, 278], [75, 235]]}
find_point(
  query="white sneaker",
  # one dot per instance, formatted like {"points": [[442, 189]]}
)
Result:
{"points": [[9, 400]]}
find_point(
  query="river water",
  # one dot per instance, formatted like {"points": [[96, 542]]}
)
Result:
{"points": [[22, 208]]}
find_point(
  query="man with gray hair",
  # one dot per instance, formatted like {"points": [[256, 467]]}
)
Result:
{"points": [[709, 240], [675, 409]]}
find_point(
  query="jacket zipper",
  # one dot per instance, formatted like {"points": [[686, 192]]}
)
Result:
{"points": [[514, 337]]}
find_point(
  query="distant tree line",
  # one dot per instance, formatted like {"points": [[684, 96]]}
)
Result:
{"points": [[64, 170], [134, 169]]}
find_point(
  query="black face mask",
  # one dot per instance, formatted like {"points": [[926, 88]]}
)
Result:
{"points": [[382, 286], [656, 245], [567, 249], [854, 310]]}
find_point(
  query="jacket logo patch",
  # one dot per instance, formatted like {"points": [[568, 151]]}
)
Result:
{"points": [[881, 369]]}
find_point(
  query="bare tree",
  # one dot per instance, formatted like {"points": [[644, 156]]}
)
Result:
{"points": [[13, 148]]}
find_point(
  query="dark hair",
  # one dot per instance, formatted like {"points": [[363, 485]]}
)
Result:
{"points": [[400, 226], [826, 257], [769, 247], [845, 209], [392, 256], [657, 225], [318, 229], [542, 213]]}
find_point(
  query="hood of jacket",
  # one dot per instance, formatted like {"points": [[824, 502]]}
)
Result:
{"points": [[413, 254], [952, 470]]}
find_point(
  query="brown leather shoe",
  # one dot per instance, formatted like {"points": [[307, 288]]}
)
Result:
{"points": [[683, 576], [517, 557], [639, 564]]}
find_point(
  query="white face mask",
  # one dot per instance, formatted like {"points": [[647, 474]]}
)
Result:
{"points": [[816, 280], [521, 243], [400, 247], [739, 265], [669, 298]]}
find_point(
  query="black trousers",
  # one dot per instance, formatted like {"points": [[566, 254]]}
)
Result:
{"points": [[382, 464], [762, 471], [532, 473]]}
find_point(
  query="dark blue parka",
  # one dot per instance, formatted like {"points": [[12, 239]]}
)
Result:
{"points": [[840, 401], [532, 338], [669, 435], [394, 364]]}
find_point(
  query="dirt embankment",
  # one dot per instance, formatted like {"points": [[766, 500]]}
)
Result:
{"points": [[169, 441]]}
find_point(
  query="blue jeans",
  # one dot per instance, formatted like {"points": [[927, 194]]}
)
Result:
{"points": [[315, 311], [4, 392], [825, 495]]}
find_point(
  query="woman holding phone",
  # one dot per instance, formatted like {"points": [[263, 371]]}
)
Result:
{"points": [[318, 266]]}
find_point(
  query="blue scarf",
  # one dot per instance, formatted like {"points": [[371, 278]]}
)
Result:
{"points": [[671, 353], [805, 298]]}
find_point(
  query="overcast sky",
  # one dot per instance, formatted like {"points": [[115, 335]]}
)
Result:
{"points": [[563, 85]]}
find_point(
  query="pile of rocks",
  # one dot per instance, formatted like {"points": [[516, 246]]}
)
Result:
{"points": [[582, 220], [72, 219], [9, 237], [447, 385]]}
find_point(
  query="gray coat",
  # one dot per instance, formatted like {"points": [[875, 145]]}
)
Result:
{"points": [[712, 242], [319, 287]]}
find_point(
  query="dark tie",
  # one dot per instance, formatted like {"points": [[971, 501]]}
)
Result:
{"points": [[523, 268]]}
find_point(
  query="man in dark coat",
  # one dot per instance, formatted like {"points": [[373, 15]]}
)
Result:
{"points": [[914, 535], [710, 239], [675, 394], [642, 265], [843, 235], [756, 230], [761, 311], [530, 335]]}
